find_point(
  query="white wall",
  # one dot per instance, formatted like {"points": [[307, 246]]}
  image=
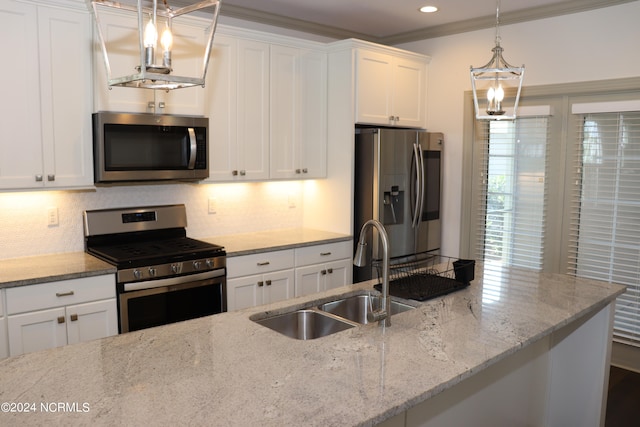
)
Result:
{"points": [[596, 45]]}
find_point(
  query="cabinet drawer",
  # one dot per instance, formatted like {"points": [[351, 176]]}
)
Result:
{"points": [[323, 253], [259, 263], [57, 294]]}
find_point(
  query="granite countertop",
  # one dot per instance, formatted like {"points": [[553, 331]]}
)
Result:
{"points": [[74, 265], [272, 240], [228, 370], [50, 268]]}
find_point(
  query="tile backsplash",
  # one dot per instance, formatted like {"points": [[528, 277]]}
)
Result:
{"points": [[239, 208]]}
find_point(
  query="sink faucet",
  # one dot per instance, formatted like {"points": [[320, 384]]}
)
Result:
{"points": [[383, 315]]}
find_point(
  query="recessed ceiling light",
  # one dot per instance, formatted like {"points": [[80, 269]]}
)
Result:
{"points": [[428, 9]]}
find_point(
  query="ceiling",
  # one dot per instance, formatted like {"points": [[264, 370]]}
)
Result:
{"points": [[398, 21]]}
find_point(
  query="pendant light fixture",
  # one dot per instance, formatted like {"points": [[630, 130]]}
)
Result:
{"points": [[495, 84], [153, 69]]}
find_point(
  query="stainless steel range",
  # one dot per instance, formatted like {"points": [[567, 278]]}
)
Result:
{"points": [[163, 276]]}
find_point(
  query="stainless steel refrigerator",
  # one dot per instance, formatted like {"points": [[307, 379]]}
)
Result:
{"points": [[398, 181]]}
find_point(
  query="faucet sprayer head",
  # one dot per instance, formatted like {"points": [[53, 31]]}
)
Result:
{"points": [[360, 258]]}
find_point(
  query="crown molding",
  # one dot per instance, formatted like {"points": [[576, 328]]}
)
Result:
{"points": [[530, 14]]}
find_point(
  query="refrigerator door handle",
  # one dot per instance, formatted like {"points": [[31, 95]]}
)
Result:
{"points": [[417, 157], [423, 184]]}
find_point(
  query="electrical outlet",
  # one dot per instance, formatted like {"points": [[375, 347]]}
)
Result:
{"points": [[213, 205], [52, 217]]}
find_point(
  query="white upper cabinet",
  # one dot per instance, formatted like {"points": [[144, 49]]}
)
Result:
{"points": [[238, 110], [121, 38], [391, 87], [298, 113], [45, 140]]}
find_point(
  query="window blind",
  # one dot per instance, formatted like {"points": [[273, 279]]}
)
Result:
{"points": [[605, 225], [512, 198]]}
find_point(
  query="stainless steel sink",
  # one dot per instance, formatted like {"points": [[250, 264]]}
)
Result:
{"points": [[355, 308], [307, 324]]}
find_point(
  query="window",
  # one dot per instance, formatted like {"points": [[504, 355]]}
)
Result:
{"points": [[605, 242], [512, 195], [561, 192]]}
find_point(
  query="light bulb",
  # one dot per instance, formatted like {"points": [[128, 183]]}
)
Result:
{"points": [[491, 93], [166, 40], [150, 35], [499, 94]]}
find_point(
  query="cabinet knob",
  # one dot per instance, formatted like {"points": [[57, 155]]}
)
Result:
{"points": [[260, 284], [330, 270], [38, 178], [298, 171], [268, 282], [234, 173], [51, 177], [60, 319], [73, 317], [323, 272], [243, 173], [305, 170]]}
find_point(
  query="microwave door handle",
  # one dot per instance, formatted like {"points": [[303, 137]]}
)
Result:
{"points": [[193, 148]]}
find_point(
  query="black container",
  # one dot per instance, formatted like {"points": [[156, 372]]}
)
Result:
{"points": [[464, 270]]}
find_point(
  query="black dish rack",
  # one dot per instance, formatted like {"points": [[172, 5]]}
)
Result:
{"points": [[425, 276]]}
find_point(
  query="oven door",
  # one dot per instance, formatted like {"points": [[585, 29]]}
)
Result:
{"points": [[159, 302]]}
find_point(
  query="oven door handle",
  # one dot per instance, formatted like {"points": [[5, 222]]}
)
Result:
{"points": [[150, 284], [193, 148]]}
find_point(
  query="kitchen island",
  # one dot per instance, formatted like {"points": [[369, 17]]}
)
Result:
{"points": [[516, 347]]}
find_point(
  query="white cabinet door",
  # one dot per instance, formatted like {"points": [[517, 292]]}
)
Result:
{"points": [[278, 286], [298, 113], [374, 87], [46, 129], [243, 292], [4, 344], [390, 89], [92, 320], [339, 273], [20, 132], [66, 102], [238, 110], [310, 279], [409, 92], [120, 32], [37, 330], [250, 291]]}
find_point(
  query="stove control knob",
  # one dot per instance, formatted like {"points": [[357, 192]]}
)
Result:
{"points": [[137, 274], [209, 263], [196, 265], [152, 271], [176, 268]]}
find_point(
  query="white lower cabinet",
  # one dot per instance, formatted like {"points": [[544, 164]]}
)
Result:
{"points": [[259, 279], [4, 344], [58, 313], [323, 267]]}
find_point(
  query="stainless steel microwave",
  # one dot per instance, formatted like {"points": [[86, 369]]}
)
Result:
{"points": [[130, 147]]}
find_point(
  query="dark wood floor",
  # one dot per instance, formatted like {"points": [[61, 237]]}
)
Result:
{"points": [[623, 401]]}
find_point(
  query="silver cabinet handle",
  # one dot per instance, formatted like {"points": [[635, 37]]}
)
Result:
{"points": [[260, 264], [193, 147], [64, 294]]}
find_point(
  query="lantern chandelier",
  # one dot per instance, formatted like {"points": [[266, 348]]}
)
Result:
{"points": [[154, 69], [493, 81]]}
